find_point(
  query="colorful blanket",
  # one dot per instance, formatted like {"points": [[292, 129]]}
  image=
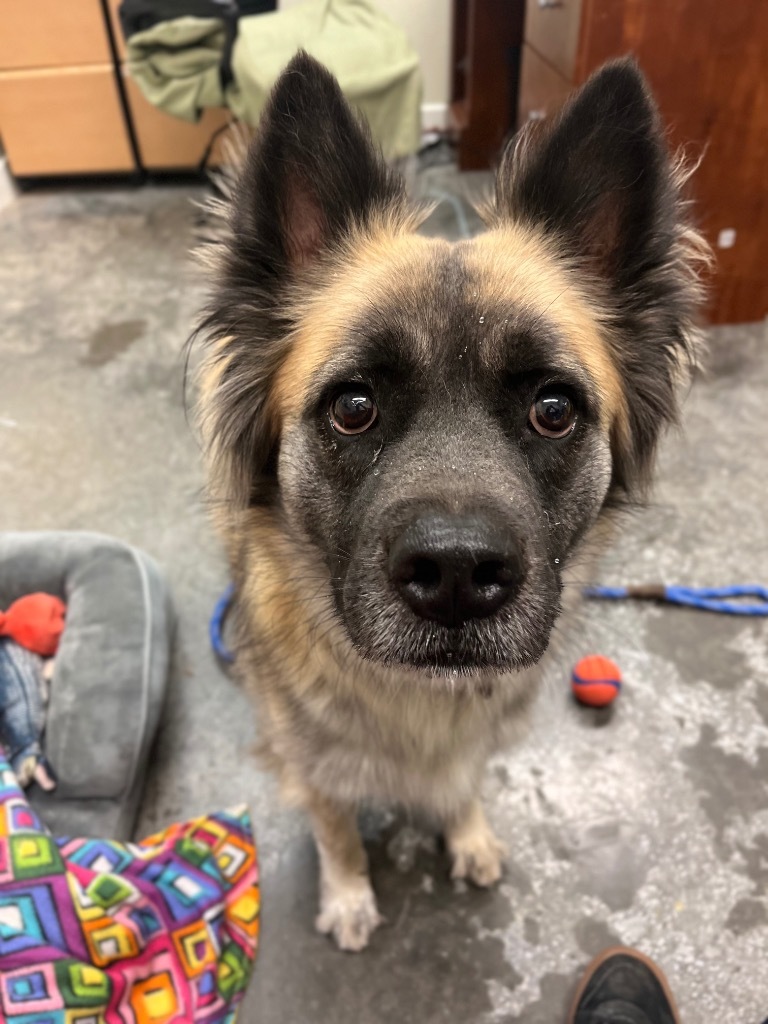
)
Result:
{"points": [[99, 932]]}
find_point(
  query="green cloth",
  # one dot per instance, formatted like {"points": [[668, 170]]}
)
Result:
{"points": [[176, 65]]}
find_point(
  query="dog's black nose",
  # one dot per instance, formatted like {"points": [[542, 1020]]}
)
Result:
{"points": [[451, 569]]}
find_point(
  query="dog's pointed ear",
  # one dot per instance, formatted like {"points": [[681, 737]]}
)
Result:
{"points": [[597, 177], [312, 173], [311, 176], [598, 182]]}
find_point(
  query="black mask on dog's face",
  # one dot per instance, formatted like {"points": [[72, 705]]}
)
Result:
{"points": [[444, 423], [450, 453]]}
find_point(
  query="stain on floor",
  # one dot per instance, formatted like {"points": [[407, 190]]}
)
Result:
{"points": [[110, 341]]}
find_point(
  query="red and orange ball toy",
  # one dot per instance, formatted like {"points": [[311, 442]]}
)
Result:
{"points": [[596, 681]]}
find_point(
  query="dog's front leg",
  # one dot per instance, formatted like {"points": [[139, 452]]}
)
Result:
{"points": [[347, 904], [475, 851]]}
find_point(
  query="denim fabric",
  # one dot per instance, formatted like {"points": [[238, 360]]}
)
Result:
{"points": [[22, 711]]}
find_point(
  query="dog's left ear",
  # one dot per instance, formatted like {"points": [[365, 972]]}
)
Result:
{"points": [[597, 177], [599, 183]]}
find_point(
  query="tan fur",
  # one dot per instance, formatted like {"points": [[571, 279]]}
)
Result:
{"points": [[477, 853], [519, 263], [347, 904], [363, 272], [516, 264], [218, 459]]}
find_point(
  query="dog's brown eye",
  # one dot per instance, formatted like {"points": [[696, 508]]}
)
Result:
{"points": [[352, 412], [553, 414]]}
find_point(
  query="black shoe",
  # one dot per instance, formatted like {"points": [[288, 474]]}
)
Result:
{"points": [[622, 986]]}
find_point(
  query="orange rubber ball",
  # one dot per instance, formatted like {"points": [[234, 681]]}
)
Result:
{"points": [[596, 681]]}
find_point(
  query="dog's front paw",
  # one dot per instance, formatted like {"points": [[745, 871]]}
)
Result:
{"points": [[478, 858], [349, 914], [476, 852]]}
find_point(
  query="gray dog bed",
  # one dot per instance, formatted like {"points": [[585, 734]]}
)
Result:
{"points": [[110, 672]]}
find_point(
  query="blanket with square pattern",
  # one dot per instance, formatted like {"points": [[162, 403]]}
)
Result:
{"points": [[100, 932]]}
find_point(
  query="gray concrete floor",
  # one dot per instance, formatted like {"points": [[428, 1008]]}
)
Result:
{"points": [[648, 825]]}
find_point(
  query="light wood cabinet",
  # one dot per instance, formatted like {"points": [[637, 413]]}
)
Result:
{"points": [[166, 143], [68, 106], [63, 121], [52, 33], [61, 111]]}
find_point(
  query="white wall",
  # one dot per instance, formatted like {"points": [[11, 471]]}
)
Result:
{"points": [[427, 23]]}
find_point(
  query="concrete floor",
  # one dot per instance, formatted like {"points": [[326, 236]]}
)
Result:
{"points": [[647, 826]]}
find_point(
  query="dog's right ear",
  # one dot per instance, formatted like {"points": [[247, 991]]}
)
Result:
{"points": [[311, 176]]}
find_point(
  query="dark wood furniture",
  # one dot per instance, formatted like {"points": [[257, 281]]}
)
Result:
{"points": [[487, 44], [706, 62]]}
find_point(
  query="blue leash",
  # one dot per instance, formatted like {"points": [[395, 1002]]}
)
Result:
{"points": [[216, 625], [709, 599]]}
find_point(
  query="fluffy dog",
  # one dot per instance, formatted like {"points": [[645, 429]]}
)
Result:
{"points": [[409, 440]]}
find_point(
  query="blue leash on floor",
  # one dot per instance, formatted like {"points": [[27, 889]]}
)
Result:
{"points": [[216, 625], [708, 599]]}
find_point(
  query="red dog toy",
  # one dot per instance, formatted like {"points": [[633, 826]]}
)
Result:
{"points": [[36, 622]]}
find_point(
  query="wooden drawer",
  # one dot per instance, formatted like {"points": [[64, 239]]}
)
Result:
{"points": [[552, 29], [542, 89], [63, 121], [52, 33], [167, 143]]}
